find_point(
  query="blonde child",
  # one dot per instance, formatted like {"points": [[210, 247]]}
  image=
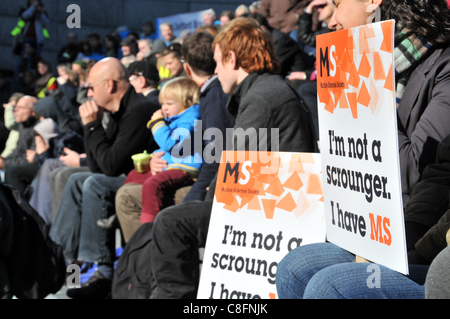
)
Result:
{"points": [[173, 129]]}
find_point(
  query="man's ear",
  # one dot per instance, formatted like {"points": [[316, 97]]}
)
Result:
{"points": [[374, 5], [187, 68], [232, 60], [112, 87]]}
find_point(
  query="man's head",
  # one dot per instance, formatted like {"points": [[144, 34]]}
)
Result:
{"points": [[209, 17], [108, 83], [198, 54], [166, 29], [226, 16], [241, 10], [24, 108], [148, 28], [145, 47], [242, 47], [72, 38], [129, 46], [172, 59], [143, 76], [94, 40]]}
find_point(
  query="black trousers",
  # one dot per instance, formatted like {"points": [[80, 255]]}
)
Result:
{"points": [[178, 233], [21, 176]]}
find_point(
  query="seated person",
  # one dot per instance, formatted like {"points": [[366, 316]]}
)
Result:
{"points": [[179, 99]]}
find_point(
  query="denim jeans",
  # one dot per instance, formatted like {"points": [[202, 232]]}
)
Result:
{"points": [[326, 271], [87, 198], [41, 199]]}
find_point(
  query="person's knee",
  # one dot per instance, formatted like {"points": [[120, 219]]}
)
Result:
{"points": [[167, 217], [95, 184], [128, 197]]}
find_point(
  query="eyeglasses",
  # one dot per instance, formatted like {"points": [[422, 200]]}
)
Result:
{"points": [[91, 86]]}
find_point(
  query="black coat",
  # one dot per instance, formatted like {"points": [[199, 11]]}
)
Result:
{"points": [[214, 114], [427, 214], [26, 142], [423, 117], [109, 151]]}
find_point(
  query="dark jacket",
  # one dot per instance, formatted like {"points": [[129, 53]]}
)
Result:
{"points": [[427, 214], [109, 151], [288, 52], [265, 101], [214, 114], [423, 117], [49, 107], [26, 142], [305, 33], [153, 97]]}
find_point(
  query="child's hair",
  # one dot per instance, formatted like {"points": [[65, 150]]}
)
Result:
{"points": [[181, 89], [74, 77], [174, 49]]}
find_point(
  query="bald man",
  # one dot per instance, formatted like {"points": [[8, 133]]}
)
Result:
{"points": [[89, 196], [23, 154]]}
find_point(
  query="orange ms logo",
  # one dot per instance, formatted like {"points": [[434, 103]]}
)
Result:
{"points": [[325, 58], [236, 171]]}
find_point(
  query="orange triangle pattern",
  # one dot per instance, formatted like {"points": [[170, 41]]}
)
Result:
{"points": [[364, 66], [363, 43], [234, 206], [343, 102], [374, 97], [371, 65], [353, 105], [386, 28], [294, 182], [269, 207], [354, 78], [302, 205], [378, 69], [275, 188], [280, 195], [364, 95], [389, 84], [254, 204], [287, 203], [314, 185]]}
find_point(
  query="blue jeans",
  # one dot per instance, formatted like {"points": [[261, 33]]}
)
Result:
{"points": [[87, 198], [41, 199], [326, 271]]}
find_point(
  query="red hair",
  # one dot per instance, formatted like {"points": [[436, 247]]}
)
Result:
{"points": [[253, 46]]}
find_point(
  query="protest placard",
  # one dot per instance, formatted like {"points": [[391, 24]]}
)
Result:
{"points": [[359, 143], [265, 205]]}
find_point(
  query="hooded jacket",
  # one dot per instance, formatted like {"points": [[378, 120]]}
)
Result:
{"points": [[176, 137]]}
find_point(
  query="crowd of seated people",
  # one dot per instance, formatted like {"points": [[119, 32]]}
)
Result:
{"points": [[71, 126]]}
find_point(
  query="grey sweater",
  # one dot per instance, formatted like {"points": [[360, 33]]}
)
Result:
{"points": [[263, 102]]}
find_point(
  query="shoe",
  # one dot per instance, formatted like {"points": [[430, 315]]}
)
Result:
{"points": [[97, 287]]}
